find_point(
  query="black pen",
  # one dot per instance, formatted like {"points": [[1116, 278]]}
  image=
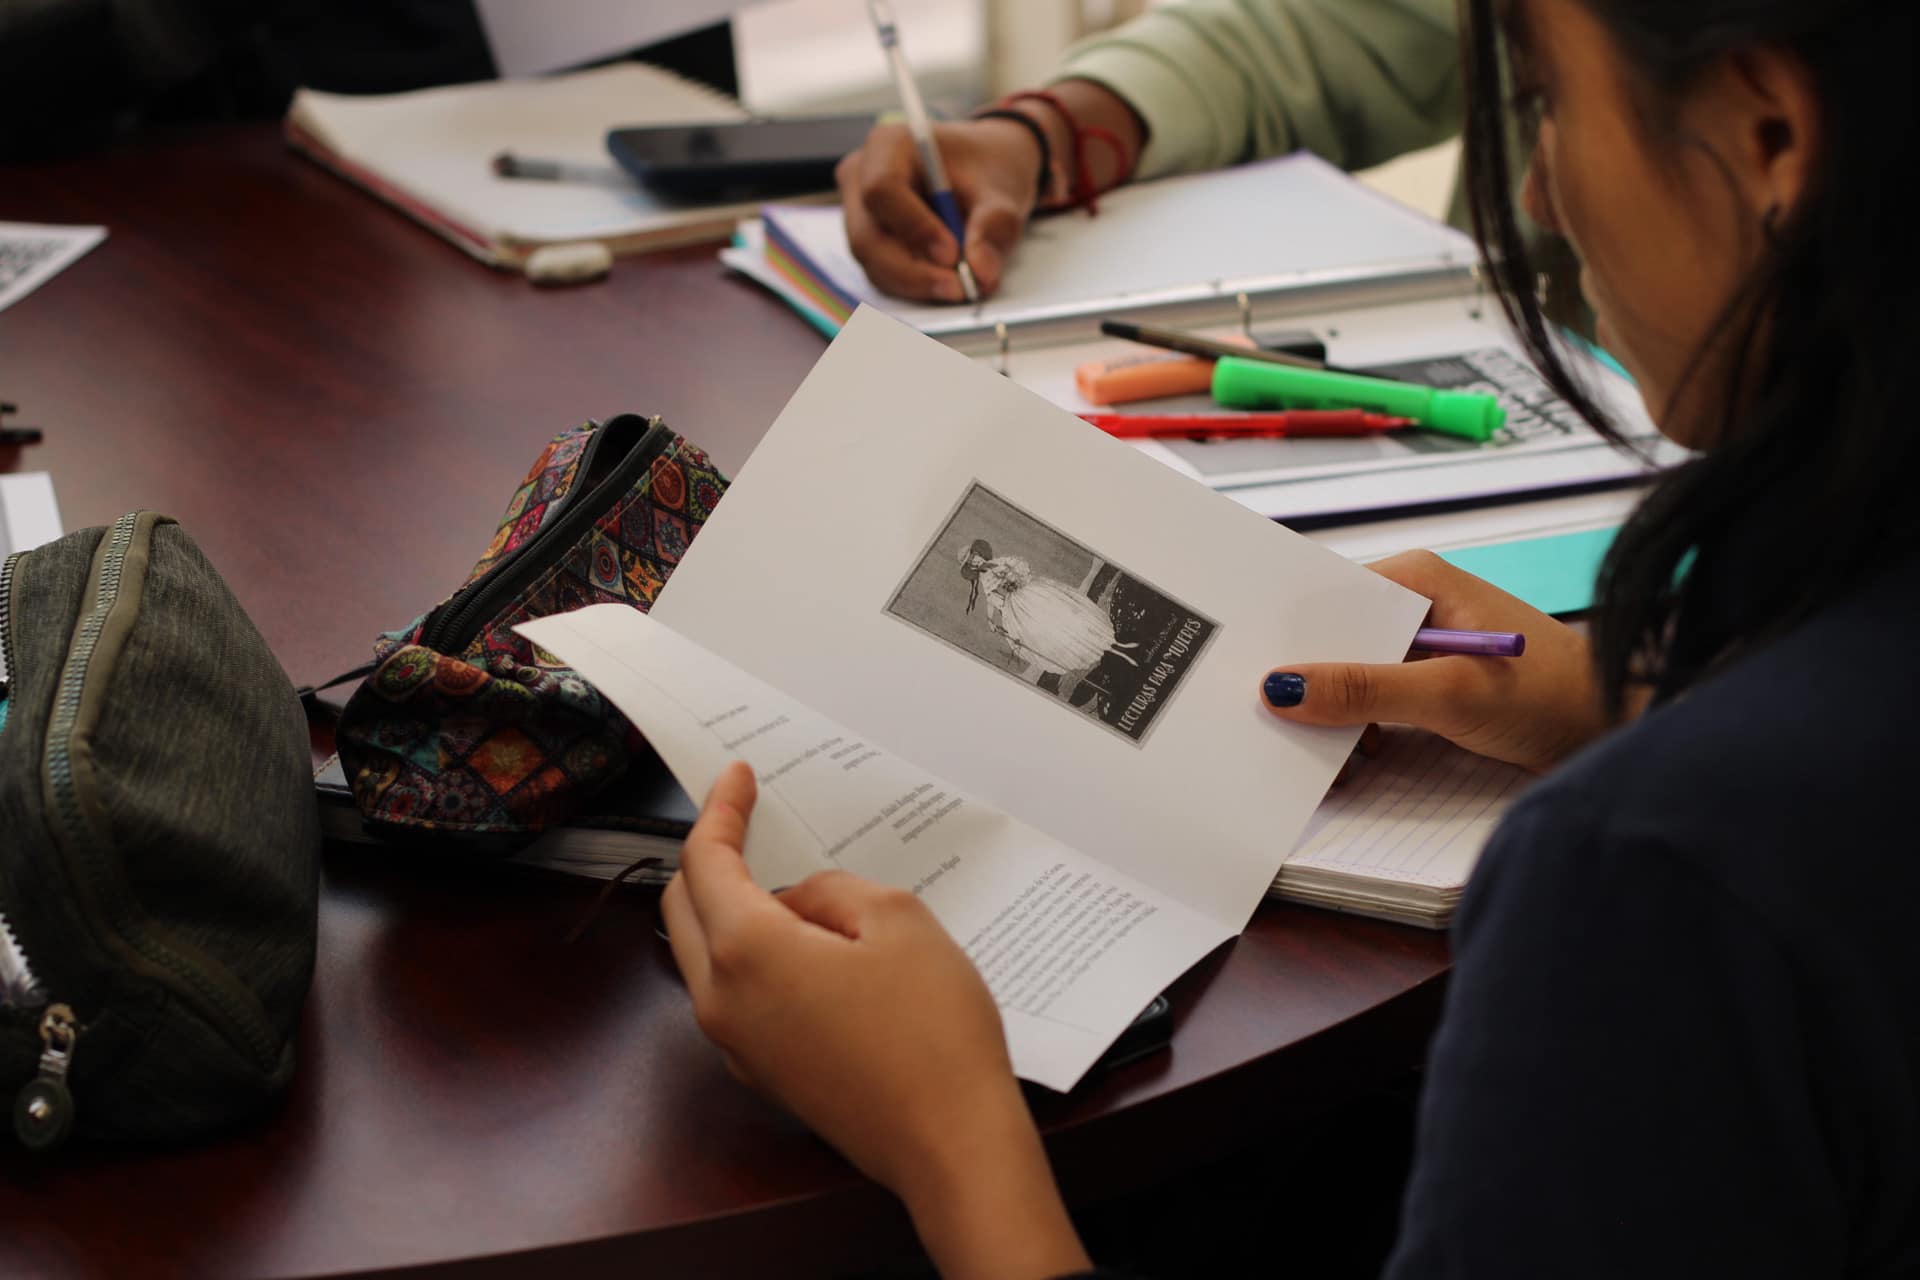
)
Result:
{"points": [[1205, 348], [16, 435], [508, 165]]}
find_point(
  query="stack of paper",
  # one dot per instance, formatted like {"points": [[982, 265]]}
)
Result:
{"points": [[1400, 839], [430, 155]]}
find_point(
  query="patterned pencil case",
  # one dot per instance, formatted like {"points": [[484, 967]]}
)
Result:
{"points": [[464, 729]]}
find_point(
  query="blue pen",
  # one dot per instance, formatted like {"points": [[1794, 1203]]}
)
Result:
{"points": [[939, 193]]}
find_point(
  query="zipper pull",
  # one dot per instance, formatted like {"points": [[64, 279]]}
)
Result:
{"points": [[43, 1109]]}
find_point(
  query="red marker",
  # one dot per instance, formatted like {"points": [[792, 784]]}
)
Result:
{"points": [[1202, 426]]}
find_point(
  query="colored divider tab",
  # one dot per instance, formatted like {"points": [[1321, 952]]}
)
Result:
{"points": [[1554, 574]]}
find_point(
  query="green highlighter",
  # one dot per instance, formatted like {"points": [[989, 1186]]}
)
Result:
{"points": [[1249, 384]]}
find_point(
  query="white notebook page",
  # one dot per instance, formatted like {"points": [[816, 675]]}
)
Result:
{"points": [[1419, 812], [1212, 233], [1243, 228]]}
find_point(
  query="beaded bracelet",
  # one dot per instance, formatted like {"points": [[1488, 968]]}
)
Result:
{"points": [[1083, 188], [1044, 183]]}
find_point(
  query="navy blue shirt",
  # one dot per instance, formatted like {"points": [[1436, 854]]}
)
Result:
{"points": [[1683, 1032]]}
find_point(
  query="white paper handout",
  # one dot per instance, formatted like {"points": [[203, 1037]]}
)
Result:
{"points": [[29, 513], [997, 635], [1071, 949], [32, 253], [29, 517]]}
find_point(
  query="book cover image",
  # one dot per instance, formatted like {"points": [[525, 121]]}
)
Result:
{"points": [[1011, 591]]}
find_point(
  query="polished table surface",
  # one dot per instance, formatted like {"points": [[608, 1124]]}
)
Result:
{"points": [[336, 405]]}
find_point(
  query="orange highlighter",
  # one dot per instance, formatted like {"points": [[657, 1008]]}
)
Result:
{"points": [[1213, 426], [1144, 377], [1157, 375]]}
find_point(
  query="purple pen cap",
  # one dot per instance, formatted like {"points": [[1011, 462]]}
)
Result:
{"points": [[1490, 644]]}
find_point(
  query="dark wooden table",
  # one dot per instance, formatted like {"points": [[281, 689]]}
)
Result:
{"points": [[336, 405]]}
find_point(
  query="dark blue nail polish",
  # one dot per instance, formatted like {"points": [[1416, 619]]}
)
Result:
{"points": [[1285, 689]]}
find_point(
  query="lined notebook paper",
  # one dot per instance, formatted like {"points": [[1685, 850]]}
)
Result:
{"points": [[1401, 837]]}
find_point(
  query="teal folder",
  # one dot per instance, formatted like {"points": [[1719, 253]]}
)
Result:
{"points": [[1554, 574]]}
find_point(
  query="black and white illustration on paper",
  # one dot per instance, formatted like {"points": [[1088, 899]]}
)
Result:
{"points": [[1012, 591]]}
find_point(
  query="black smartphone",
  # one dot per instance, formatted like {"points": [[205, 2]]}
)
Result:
{"points": [[739, 161], [1151, 1030]]}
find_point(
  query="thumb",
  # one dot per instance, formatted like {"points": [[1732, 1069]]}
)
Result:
{"points": [[717, 884], [1346, 693], [723, 818], [836, 900], [993, 229]]}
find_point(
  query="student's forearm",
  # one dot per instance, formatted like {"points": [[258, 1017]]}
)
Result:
{"points": [[1223, 81], [987, 1209]]}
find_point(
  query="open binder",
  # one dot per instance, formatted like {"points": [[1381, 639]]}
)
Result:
{"points": [[1288, 242]]}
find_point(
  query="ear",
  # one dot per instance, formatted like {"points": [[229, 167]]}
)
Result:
{"points": [[1764, 114]]}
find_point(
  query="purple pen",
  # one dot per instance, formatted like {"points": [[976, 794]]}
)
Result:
{"points": [[1490, 644]]}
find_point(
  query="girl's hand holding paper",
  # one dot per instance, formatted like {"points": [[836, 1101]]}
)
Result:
{"points": [[847, 1003]]}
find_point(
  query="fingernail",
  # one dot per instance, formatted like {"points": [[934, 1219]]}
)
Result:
{"points": [[949, 290], [985, 261], [942, 252], [1285, 689]]}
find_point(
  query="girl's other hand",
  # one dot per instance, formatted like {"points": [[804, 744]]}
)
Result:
{"points": [[1533, 711]]}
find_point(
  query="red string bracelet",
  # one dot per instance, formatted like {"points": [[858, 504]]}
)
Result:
{"points": [[1075, 170], [1120, 159], [1083, 190]]}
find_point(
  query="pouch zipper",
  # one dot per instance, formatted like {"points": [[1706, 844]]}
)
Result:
{"points": [[453, 625], [7, 659], [19, 989], [43, 1109], [58, 1027]]}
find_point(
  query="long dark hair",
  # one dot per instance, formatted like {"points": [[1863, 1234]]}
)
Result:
{"points": [[1809, 486]]}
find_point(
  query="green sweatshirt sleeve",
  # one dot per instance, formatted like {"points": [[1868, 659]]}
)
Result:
{"points": [[1222, 81]]}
